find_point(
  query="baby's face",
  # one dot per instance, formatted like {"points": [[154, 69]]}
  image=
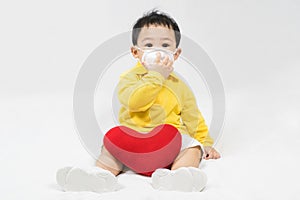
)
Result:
{"points": [[156, 36]]}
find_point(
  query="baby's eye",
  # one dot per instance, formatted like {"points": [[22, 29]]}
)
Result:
{"points": [[165, 45], [148, 45]]}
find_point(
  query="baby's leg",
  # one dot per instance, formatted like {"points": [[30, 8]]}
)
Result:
{"points": [[189, 157], [109, 162]]}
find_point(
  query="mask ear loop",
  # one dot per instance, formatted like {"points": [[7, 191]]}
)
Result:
{"points": [[138, 48], [175, 51]]}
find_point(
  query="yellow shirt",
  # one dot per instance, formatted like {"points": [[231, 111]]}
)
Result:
{"points": [[148, 100]]}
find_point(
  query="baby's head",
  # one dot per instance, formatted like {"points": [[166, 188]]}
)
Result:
{"points": [[155, 30]]}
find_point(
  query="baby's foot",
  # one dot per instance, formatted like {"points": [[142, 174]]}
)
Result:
{"points": [[92, 179], [199, 179], [185, 179]]}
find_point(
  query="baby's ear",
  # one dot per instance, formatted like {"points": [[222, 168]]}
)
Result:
{"points": [[178, 52], [134, 52]]}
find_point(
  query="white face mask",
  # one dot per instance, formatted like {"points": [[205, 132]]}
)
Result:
{"points": [[149, 55]]}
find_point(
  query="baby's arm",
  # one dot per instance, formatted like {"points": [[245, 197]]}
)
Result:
{"points": [[139, 93], [195, 123]]}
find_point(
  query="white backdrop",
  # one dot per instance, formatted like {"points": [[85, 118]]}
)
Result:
{"points": [[254, 44]]}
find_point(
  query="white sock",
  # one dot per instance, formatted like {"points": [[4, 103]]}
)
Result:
{"points": [[185, 179], [199, 179], [92, 179]]}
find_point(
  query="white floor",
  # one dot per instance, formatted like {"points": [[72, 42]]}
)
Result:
{"points": [[260, 151]]}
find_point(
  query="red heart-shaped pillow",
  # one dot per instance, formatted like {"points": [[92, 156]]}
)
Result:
{"points": [[144, 152]]}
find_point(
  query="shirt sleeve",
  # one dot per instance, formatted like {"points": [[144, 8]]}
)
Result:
{"points": [[193, 119], [138, 94]]}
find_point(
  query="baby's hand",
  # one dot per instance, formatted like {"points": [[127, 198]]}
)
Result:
{"points": [[164, 67], [211, 153]]}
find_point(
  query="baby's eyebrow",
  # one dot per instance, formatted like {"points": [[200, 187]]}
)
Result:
{"points": [[147, 38], [166, 38]]}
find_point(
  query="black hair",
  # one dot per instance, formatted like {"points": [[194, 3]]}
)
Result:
{"points": [[155, 17]]}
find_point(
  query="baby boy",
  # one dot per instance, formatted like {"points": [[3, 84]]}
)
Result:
{"points": [[151, 94]]}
